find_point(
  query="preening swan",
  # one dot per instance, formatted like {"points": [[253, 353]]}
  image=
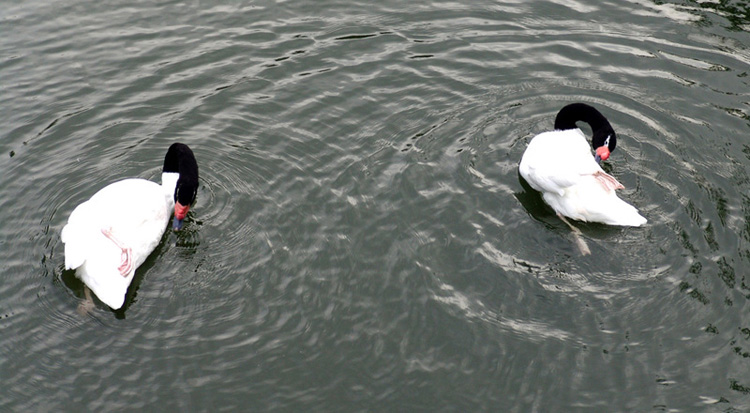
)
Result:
{"points": [[109, 236], [559, 164]]}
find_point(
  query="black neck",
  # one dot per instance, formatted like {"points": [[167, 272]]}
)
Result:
{"points": [[602, 131], [180, 159], [575, 112]]}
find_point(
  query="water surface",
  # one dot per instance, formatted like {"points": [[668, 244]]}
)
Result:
{"points": [[362, 239]]}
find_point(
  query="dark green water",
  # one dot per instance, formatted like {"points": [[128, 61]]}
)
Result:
{"points": [[362, 240]]}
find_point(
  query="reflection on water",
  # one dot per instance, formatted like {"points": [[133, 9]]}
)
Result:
{"points": [[362, 236]]}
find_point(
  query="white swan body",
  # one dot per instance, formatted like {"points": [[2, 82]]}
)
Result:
{"points": [[139, 224], [559, 164], [109, 236]]}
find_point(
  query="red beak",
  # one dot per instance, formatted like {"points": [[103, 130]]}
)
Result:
{"points": [[602, 153], [180, 211]]}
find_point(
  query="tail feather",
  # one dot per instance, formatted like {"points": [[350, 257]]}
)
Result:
{"points": [[106, 282], [625, 214], [591, 202], [95, 260]]}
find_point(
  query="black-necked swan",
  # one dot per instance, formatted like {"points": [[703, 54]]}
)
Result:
{"points": [[559, 164], [110, 235]]}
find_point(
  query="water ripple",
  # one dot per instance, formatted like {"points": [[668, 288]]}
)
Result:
{"points": [[361, 235]]}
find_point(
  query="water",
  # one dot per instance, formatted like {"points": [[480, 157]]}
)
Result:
{"points": [[362, 239]]}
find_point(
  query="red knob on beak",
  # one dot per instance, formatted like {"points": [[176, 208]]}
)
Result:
{"points": [[602, 153]]}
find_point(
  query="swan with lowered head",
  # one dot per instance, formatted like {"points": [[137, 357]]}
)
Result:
{"points": [[110, 235], [559, 164]]}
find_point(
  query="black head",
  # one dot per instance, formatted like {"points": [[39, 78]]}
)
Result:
{"points": [[604, 135], [604, 139], [180, 159]]}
